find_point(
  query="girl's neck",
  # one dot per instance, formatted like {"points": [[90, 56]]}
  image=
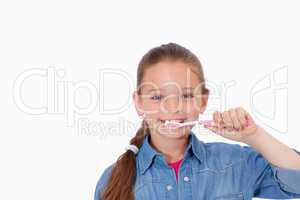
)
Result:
{"points": [[172, 148]]}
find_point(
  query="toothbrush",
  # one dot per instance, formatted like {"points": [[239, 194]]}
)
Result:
{"points": [[173, 125]]}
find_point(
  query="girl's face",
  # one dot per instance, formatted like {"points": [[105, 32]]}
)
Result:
{"points": [[170, 90]]}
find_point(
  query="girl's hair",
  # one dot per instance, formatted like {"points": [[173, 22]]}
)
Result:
{"points": [[122, 178]]}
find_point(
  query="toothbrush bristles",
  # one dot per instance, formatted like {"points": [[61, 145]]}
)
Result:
{"points": [[172, 124]]}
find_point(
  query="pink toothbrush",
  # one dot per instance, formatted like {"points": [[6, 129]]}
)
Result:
{"points": [[174, 125]]}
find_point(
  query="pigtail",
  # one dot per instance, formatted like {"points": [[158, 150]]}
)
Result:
{"points": [[121, 182]]}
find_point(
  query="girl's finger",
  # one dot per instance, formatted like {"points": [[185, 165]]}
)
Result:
{"points": [[242, 117], [227, 120], [218, 120], [234, 119], [249, 118], [215, 128], [217, 117]]}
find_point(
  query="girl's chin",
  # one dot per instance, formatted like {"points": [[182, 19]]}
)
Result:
{"points": [[174, 133]]}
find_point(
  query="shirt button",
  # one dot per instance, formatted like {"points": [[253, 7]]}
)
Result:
{"points": [[169, 187], [186, 179]]}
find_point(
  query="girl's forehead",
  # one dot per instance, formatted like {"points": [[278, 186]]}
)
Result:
{"points": [[169, 76]]}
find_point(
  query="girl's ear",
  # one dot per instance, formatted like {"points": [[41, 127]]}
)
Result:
{"points": [[137, 103]]}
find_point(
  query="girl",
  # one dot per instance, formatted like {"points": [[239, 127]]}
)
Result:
{"points": [[167, 164]]}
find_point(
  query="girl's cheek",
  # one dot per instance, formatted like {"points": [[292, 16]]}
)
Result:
{"points": [[151, 110], [190, 107]]}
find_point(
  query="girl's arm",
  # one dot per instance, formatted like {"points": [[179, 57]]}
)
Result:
{"points": [[278, 167], [273, 150], [238, 125]]}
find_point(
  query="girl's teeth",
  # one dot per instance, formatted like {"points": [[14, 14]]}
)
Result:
{"points": [[177, 120], [174, 120]]}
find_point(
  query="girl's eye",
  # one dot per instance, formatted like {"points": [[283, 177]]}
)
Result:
{"points": [[156, 97], [188, 96]]}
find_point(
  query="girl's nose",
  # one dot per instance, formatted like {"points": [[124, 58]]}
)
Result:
{"points": [[171, 104]]}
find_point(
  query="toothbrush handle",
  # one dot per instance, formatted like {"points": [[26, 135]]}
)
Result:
{"points": [[206, 122], [209, 122], [203, 122]]}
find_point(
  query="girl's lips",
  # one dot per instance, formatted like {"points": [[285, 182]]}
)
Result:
{"points": [[174, 120]]}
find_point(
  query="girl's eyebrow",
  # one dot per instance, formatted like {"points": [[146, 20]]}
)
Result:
{"points": [[184, 88], [151, 90]]}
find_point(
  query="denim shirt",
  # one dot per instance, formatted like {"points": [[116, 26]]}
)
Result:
{"points": [[213, 170]]}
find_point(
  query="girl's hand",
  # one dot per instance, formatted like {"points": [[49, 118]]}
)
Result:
{"points": [[235, 124]]}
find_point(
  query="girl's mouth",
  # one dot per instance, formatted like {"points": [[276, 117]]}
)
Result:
{"points": [[173, 120]]}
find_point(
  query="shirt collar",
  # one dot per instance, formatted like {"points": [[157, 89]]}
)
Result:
{"points": [[147, 152]]}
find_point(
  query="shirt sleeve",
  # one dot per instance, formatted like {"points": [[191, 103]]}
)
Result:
{"points": [[269, 181], [102, 182]]}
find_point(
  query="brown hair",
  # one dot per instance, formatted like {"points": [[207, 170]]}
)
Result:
{"points": [[121, 182]]}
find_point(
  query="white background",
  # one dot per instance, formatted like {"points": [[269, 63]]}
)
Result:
{"points": [[43, 156]]}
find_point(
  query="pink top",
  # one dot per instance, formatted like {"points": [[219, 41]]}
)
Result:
{"points": [[175, 166]]}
